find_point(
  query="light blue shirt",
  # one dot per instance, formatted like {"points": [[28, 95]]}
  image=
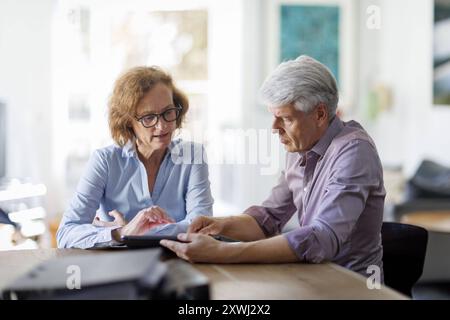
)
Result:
{"points": [[115, 179]]}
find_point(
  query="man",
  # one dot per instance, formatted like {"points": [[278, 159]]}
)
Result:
{"points": [[333, 180]]}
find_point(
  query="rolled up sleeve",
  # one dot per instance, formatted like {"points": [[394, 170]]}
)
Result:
{"points": [[355, 173]]}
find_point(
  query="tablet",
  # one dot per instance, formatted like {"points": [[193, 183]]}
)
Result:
{"points": [[153, 241], [145, 241]]}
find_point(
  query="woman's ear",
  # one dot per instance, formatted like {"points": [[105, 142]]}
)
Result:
{"points": [[130, 130], [177, 103]]}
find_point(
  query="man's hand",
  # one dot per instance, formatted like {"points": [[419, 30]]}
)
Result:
{"points": [[197, 247], [207, 225]]}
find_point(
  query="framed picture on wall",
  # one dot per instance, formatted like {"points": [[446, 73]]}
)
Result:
{"points": [[441, 53], [322, 29]]}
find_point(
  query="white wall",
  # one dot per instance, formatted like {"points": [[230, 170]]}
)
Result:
{"points": [[236, 77], [254, 181], [25, 85], [400, 55]]}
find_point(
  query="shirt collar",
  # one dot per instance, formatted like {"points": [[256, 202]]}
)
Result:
{"points": [[332, 131], [324, 142], [129, 149]]}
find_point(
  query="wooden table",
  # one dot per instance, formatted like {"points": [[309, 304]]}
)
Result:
{"points": [[438, 221], [243, 281]]}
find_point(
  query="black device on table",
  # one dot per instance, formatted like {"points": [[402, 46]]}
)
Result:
{"points": [[124, 275], [133, 274], [153, 240]]}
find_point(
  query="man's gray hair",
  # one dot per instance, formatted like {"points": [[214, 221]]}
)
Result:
{"points": [[305, 82]]}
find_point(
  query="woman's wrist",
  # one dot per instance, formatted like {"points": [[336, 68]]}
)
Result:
{"points": [[116, 234]]}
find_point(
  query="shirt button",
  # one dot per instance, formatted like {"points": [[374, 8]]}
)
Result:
{"points": [[305, 189]]}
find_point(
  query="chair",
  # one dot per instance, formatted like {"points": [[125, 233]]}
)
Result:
{"points": [[404, 248], [427, 190]]}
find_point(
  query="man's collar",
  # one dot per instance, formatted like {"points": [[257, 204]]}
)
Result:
{"points": [[332, 131], [324, 142]]}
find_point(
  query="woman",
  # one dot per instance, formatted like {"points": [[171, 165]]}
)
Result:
{"points": [[145, 178]]}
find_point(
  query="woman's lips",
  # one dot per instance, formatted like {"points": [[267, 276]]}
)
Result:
{"points": [[160, 136]]}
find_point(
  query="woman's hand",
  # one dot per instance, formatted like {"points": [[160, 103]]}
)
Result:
{"points": [[207, 225], [158, 214], [119, 220], [144, 220]]}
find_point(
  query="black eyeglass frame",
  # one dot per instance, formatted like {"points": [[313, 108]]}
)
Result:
{"points": [[177, 109]]}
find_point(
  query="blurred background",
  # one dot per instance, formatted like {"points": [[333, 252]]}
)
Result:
{"points": [[59, 59]]}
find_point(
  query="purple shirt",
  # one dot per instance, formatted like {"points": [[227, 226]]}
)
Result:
{"points": [[336, 188]]}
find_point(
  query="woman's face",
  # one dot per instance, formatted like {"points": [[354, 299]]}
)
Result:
{"points": [[156, 101]]}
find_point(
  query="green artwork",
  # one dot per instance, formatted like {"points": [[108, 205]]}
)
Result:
{"points": [[311, 30], [441, 53]]}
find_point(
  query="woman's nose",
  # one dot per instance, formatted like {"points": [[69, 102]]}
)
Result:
{"points": [[161, 124]]}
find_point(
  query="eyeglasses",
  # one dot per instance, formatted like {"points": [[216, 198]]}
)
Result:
{"points": [[151, 119]]}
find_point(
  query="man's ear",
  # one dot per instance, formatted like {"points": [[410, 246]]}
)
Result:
{"points": [[322, 114]]}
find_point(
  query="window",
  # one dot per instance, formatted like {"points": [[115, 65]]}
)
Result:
{"points": [[95, 42]]}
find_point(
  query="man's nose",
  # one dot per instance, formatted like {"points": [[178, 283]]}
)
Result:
{"points": [[275, 126]]}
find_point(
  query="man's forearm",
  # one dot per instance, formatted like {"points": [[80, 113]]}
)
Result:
{"points": [[271, 250], [242, 227]]}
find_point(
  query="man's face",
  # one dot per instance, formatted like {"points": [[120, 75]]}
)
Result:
{"points": [[299, 131]]}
